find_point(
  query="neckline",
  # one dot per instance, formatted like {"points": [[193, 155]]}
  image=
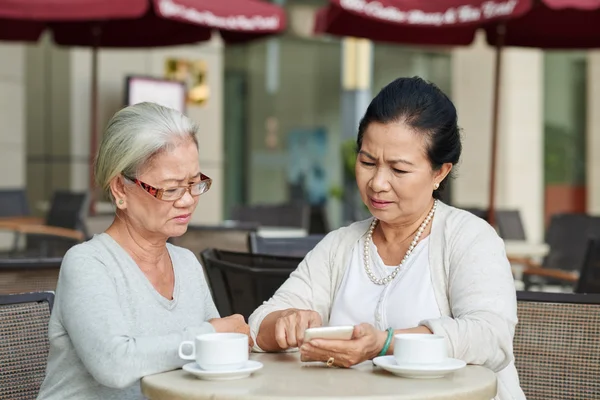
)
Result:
{"points": [[168, 304], [416, 251]]}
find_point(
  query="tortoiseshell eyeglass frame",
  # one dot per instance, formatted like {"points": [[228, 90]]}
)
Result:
{"points": [[159, 193]]}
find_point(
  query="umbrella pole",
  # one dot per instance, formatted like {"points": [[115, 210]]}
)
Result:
{"points": [[501, 30], [93, 120]]}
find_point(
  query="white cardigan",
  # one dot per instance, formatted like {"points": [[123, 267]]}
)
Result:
{"points": [[472, 280]]}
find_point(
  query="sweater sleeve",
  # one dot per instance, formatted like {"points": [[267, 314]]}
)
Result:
{"points": [[100, 333], [309, 287], [482, 299]]}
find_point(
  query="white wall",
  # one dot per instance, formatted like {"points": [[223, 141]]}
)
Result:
{"points": [[12, 115], [47, 111], [472, 89], [521, 161], [520, 147], [12, 121], [593, 133]]}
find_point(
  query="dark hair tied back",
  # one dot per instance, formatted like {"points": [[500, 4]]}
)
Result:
{"points": [[427, 110]]}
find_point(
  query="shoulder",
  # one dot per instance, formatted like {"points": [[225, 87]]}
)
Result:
{"points": [[343, 238], [92, 260], [456, 220], [350, 233], [97, 249], [462, 230]]}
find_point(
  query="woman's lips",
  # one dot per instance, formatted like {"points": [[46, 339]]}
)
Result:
{"points": [[184, 219], [379, 203]]}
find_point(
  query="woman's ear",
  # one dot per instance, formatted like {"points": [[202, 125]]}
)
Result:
{"points": [[117, 189], [442, 173]]}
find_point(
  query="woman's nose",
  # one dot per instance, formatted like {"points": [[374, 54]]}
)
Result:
{"points": [[380, 181], [187, 197]]}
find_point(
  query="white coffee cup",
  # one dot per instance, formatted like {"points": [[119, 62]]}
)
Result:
{"points": [[218, 351], [416, 348]]}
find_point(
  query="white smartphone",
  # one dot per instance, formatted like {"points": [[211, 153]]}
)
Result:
{"points": [[329, 332]]}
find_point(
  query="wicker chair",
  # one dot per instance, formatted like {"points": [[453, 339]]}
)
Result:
{"points": [[241, 282], [23, 344], [23, 275], [556, 345]]}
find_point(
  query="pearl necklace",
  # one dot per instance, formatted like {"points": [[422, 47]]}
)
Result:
{"points": [[413, 244]]}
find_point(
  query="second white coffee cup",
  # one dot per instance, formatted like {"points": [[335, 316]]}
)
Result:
{"points": [[218, 351], [415, 348]]}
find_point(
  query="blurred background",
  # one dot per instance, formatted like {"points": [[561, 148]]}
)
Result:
{"points": [[278, 111], [278, 88]]}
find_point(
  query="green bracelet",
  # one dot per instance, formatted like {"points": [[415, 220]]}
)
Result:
{"points": [[388, 341]]}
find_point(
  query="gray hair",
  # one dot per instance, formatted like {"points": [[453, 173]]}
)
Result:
{"points": [[134, 135]]}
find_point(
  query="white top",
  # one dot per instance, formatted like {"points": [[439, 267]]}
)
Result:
{"points": [[401, 304], [472, 281], [109, 327]]}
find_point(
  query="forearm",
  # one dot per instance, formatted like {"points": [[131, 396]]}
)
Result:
{"points": [[479, 340], [265, 339], [120, 361]]}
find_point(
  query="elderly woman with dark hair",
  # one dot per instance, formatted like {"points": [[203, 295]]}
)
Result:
{"points": [[417, 266], [126, 298]]}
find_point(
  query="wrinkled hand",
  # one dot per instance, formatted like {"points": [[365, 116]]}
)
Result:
{"points": [[233, 323], [366, 343], [290, 326]]}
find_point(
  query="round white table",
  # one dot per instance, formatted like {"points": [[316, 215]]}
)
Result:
{"points": [[284, 377]]}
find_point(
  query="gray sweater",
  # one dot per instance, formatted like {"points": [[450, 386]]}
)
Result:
{"points": [[110, 327]]}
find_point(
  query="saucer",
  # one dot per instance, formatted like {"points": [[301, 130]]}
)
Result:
{"points": [[422, 371], [244, 372]]}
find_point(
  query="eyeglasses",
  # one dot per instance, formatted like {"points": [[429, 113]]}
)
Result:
{"points": [[177, 192]]}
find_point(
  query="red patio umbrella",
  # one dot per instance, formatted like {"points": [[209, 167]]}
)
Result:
{"points": [[411, 21], [554, 24], [526, 23], [135, 23]]}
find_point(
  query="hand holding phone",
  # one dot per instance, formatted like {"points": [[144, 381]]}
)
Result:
{"points": [[291, 324]]}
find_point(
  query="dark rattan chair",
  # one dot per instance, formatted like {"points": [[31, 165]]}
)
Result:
{"points": [[290, 247], [241, 282], [556, 345], [23, 344], [589, 279]]}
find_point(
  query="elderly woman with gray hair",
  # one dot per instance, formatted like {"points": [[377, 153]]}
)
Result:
{"points": [[126, 299]]}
